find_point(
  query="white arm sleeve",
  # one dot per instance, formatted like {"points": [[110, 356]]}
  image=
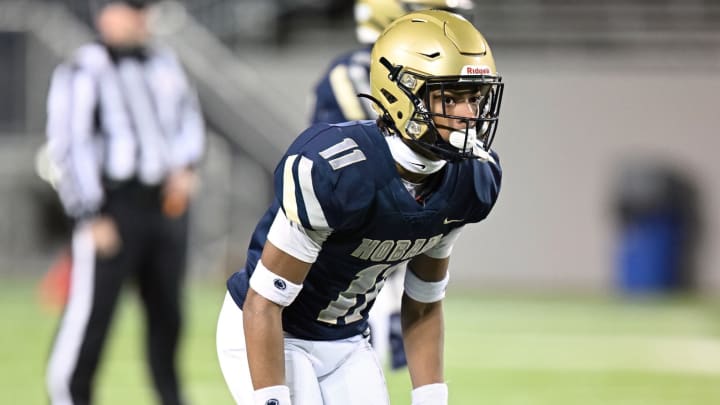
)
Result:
{"points": [[444, 248], [293, 239]]}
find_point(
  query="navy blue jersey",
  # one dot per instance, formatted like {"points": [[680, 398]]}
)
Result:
{"points": [[336, 93], [342, 178]]}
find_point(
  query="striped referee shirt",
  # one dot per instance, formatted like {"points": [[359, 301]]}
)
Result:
{"points": [[119, 118]]}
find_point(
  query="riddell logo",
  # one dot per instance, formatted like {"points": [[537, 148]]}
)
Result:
{"points": [[476, 70]]}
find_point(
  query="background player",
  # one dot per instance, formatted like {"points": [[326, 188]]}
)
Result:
{"points": [[336, 100], [356, 202]]}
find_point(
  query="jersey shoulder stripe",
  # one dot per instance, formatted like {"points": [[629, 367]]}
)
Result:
{"points": [[289, 202], [315, 214], [329, 176]]}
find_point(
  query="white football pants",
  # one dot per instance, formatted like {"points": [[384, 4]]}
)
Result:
{"points": [[340, 372]]}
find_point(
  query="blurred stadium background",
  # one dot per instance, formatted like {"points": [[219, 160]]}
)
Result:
{"points": [[538, 314]]}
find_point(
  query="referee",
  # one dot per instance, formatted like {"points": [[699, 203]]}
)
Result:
{"points": [[125, 129]]}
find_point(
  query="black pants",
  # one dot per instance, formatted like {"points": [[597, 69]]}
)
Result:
{"points": [[152, 255]]}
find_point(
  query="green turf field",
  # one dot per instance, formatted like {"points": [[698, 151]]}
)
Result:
{"points": [[500, 351]]}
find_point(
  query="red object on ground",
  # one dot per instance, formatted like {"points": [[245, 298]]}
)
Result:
{"points": [[54, 287]]}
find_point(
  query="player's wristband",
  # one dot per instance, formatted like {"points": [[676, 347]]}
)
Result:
{"points": [[430, 394], [274, 395]]}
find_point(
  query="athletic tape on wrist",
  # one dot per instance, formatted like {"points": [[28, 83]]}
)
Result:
{"points": [[425, 291], [430, 394], [273, 287], [274, 395]]}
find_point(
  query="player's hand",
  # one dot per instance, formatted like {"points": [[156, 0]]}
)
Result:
{"points": [[179, 187], [105, 236]]}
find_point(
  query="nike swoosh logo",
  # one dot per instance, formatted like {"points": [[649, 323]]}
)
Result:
{"points": [[420, 165], [449, 221]]}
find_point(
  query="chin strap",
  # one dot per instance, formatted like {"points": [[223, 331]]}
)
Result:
{"points": [[385, 117]]}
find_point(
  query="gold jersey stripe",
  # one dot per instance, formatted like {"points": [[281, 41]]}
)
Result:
{"points": [[345, 94], [289, 200], [315, 214]]}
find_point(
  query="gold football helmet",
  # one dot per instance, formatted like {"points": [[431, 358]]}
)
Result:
{"points": [[372, 16], [439, 53]]}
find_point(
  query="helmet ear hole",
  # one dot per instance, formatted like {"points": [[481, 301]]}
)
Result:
{"points": [[399, 114], [388, 96]]}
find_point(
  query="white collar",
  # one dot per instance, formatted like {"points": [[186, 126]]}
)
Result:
{"points": [[410, 160]]}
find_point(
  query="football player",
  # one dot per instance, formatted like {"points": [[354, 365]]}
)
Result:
{"points": [[336, 101], [356, 202]]}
